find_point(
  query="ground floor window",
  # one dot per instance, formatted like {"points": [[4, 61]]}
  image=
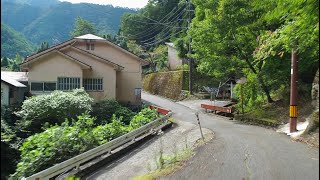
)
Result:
{"points": [[93, 84], [68, 83], [43, 86]]}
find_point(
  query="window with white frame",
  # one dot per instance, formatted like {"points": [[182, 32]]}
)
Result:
{"points": [[43, 86], [68, 83], [93, 84]]}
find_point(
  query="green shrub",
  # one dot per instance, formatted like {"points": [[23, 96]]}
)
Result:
{"points": [[9, 151], [104, 110], [110, 131], [144, 117], [253, 97], [53, 108], [55, 144], [8, 115], [59, 143]]}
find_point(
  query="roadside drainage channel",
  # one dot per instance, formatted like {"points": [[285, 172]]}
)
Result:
{"points": [[118, 153]]}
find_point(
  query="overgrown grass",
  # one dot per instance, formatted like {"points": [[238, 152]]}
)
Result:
{"points": [[168, 164]]}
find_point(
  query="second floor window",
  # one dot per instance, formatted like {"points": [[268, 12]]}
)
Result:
{"points": [[90, 46]]}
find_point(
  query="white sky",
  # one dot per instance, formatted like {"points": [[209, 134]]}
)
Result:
{"points": [[121, 3]]}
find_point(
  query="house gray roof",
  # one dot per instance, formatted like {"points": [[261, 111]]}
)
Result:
{"points": [[18, 76], [90, 37], [8, 79]]}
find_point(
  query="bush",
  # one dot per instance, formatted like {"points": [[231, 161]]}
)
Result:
{"points": [[59, 143], [104, 111], [9, 151], [253, 97], [54, 145], [8, 115], [144, 117], [53, 108], [110, 131]]}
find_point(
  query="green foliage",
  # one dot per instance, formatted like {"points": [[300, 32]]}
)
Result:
{"points": [[59, 143], [82, 27], [53, 23], [109, 131], [4, 62], [104, 110], [184, 67], [233, 38], [144, 117], [252, 96], [55, 145], [12, 43], [9, 151], [53, 108], [43, 46], [142, 27]]}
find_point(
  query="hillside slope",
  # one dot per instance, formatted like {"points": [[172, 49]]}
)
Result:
{"points": [[12, 42], [53, 24]]}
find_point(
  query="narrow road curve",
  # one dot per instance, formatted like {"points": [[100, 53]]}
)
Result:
{"points": [[242, 151]]}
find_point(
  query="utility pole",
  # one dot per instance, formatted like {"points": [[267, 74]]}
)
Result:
{"points": [[189, 52], [293, 92]]}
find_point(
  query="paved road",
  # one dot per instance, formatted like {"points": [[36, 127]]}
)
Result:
{"points": [[241, 151]]}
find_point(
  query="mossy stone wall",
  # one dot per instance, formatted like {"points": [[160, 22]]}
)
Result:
{"points": [[166, 84]]}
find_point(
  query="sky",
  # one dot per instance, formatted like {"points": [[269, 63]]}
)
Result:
{"points": [[121, 3]]}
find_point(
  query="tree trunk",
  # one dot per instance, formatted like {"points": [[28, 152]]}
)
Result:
{"points": [[261, 82], [265, 88]]}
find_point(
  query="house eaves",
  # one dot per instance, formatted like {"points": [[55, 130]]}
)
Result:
{"points": [[58, 46], [12, 82], [82, 64], [115, 65]]}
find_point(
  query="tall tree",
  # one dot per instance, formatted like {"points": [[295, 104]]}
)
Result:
{"points": [[224, 36], [297, 27], [43, 46], [82, 27], [4, 62]]}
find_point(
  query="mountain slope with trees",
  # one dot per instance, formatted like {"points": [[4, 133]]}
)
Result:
{"points": [[53, 24], [13, 43]]}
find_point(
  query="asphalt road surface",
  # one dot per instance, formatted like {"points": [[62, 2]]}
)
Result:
{"points": [[242, 151]]}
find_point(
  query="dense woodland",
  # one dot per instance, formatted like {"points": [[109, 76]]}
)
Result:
{"points": [[229, 38], [235, 38]]}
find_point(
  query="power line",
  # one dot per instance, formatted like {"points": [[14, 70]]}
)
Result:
{"points": [[158, 24], [151, 30], [163, 30], [159, 41]]}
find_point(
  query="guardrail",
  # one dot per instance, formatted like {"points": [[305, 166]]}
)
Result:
{"points": [[76, 161], [217, 108], [160, 110]]}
